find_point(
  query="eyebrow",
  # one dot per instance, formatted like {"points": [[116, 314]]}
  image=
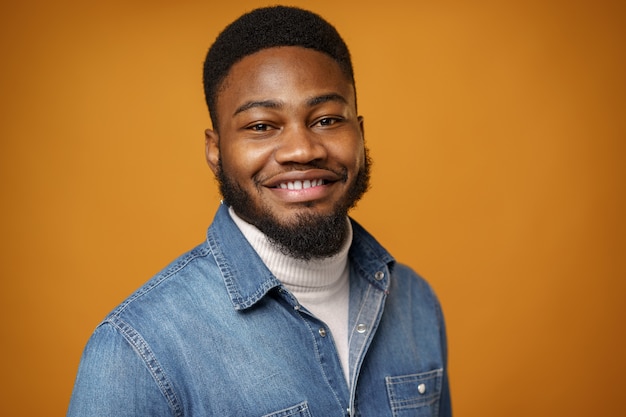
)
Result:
{"points": [[268, 104], [326, 98], [273, 104]]}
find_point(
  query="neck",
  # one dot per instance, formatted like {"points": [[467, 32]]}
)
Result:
{"points": [[296, 274]]}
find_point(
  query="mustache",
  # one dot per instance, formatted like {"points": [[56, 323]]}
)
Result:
{"points": [[341, 173]]}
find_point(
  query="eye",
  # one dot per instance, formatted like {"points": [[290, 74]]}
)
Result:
{"points": [[328, 121], [259, 127]]}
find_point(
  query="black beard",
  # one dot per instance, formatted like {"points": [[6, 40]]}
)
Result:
{"points": [[311, 236]]}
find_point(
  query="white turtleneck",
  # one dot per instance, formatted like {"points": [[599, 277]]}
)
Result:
{"points": [[322, 286]]}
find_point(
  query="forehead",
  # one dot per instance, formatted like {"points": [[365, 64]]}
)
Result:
{"points": [[288, 71]]}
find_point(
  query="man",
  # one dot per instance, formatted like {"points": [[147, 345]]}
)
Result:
{"points": [[289, 308]]}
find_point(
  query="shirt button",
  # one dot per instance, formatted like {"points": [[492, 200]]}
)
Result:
{"points": [[421, 388], [361, 328], [322, 332], [378, 276]]}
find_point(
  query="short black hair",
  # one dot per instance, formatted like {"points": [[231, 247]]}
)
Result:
{"points": [[264, 28]]}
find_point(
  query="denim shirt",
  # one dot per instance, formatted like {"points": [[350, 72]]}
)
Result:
{"points": [[216, 334]]}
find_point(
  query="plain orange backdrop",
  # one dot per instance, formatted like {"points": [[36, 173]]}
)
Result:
{"points": [[498, 136]]}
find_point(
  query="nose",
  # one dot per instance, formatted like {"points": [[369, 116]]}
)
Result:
{"points": [[299, 145]]}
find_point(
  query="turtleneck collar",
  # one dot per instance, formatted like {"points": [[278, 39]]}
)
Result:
{"points": [[299, 276]]}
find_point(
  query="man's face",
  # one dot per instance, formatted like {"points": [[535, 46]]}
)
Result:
{"points": [[289, 154]]}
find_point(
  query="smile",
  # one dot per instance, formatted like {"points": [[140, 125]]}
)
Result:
{"points": [[300, 185]]}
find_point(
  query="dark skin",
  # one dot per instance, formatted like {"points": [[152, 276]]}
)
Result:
{"points": [[289, 135]]}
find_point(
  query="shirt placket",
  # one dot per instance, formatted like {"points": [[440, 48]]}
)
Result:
{"points": [[366, 306], [326, 350]]}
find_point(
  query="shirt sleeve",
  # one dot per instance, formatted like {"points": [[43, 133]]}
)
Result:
{"points": [[113, 380]]}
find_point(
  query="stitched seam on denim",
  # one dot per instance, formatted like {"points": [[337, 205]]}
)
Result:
{"points": [[257, 295], [352, 332], [301, 409], [220, 260], [199, 252], [318, 357], [365, 344], [390, 394], [364, 273], [238, 301], [374, 257], [361, 306], [143, 350], [396, 403]]}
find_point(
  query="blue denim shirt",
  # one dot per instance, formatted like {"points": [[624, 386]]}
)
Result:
{"points": [[216, 334]]}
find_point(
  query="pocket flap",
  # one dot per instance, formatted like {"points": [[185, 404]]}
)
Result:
{"points": [[416, 390], [300, 410]]}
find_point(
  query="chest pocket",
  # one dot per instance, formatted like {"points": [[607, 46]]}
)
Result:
{"points": [[415, 395], [300, 410]]}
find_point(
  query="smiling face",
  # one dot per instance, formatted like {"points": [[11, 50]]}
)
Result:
{"points": [[289, 154]]}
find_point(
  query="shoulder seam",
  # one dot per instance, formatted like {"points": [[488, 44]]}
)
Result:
{"points": [[142, 348]]}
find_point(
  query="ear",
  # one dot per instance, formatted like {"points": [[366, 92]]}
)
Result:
{"points": [[212, 149], [362, 126]]}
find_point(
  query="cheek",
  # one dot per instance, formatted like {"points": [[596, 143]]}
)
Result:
{"points": [[244, 160], [350, 153]]}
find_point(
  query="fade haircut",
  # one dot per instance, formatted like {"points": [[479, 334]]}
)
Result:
{"points": [[264, 28]]}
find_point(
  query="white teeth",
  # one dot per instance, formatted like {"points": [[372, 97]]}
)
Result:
{"points": [[300, 185]]}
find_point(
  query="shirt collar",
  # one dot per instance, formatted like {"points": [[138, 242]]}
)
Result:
{"points": [[246, 277], [296, 274]]}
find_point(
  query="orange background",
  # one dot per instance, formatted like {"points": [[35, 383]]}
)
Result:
{"points": [[498, 135]]}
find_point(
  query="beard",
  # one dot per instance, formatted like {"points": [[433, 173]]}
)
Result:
{"points": [[311, 235]]}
